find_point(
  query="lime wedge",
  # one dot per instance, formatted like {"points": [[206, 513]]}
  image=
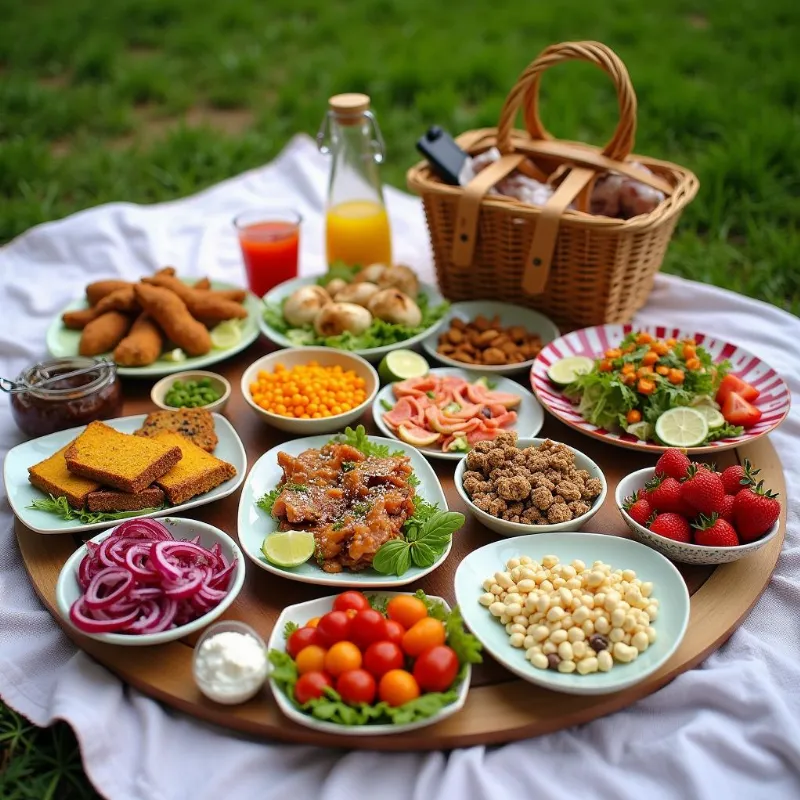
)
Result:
{"points": [[704, 400], [226, 335], [682, 427], [174, 355], [563, 372], [288, 548], [713, 417], [400, 365], [641, 430]]}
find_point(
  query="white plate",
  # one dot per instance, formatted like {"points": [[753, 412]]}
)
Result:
{"points": [[62, 341], [668, 587], [68, 589], [530, 416], [302, 613], [509, 314], [21, 493], [254, 524], [372, 354]]}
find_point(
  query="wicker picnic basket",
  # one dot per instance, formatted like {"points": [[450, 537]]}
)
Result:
{"points": [[580, 269]]}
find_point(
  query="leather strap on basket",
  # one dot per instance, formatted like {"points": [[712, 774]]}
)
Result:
{"points": [[469, 206], [540, 255]]}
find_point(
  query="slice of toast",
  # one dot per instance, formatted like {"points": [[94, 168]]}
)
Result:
{"points": [[196, 424], [120, 460], [53, 477], [196, 473], [113, 500]]}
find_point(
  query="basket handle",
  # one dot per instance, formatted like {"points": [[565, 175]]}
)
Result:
{"points": [[526, 93]]}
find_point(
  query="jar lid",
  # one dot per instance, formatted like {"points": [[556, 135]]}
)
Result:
{"points": [[349, 108]]}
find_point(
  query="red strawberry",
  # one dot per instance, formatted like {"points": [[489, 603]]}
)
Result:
{"points": [[754, 511], [726, 508], [714, 531], [639, 510], [703, 490], [735, 478], [673, 526], [664, 494], [673, 463]]}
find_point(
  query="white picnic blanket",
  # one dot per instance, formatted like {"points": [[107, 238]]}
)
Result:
{"points": [[729, 729]]}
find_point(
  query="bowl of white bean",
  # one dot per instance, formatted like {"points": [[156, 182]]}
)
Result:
{"points": [[580, 613]]}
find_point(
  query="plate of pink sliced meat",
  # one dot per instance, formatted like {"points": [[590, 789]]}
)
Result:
{"points": [[444, 413]]}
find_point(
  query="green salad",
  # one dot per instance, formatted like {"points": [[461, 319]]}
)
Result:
{"points": [[638, 385], [379, 333]]}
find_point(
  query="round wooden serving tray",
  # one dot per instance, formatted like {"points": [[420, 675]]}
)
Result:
{"points": [[500, 707]]}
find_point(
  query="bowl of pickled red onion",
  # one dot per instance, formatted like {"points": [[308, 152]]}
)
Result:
{"points": [[148, 581]]}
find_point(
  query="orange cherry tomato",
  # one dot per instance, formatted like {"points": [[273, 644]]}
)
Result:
{"points": [[633, 416], [342, 657], [313, 622], [672, 342], [649, 358], [660, 348], [689, 351], [644, 338], [693, 363], [628, 369], [406, 610], [614, 353], [605, 366], [645, 386], [663, 371], [397, 687], [676, 376], [423, 635], [629, 379], [310, 659]]}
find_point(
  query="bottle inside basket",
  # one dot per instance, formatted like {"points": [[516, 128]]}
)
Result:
{"points": [[356, 225]]}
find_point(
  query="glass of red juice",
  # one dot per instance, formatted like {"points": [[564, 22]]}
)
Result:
{"points": [[269, 239]]}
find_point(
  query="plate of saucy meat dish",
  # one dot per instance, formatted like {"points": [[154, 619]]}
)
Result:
{"points": [[371, 510]]}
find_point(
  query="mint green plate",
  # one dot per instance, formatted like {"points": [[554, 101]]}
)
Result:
{"points": [[668, 587], [254, 524], [63, 342]]}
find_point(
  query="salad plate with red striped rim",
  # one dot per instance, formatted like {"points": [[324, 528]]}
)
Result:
{"points": [[773, 400]]}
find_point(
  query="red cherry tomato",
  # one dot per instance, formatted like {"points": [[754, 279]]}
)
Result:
{"points": [[333, 627], [732, 383], [394, 631], [357, 686], [436, 669], [738, 411], [366, 627], [300, 639], [310, 686], [381, 657], [347, 600]]}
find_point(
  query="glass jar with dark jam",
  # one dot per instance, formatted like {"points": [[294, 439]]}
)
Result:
{"points": [[67, 402]]}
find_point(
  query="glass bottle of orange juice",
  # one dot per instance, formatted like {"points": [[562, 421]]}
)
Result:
{"points": [[357, 229]]}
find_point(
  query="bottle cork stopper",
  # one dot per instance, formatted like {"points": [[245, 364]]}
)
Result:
{"points": [[351, 105]]}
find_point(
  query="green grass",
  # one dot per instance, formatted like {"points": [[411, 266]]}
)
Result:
{"points": [[92, 97]]}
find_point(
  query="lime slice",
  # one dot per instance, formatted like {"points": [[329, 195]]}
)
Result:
{"points": [[563, 372], [713, 417], [226, 335], [288, 548], [400, 365], [704, 400], [682, 427], [641, 430], [174, 355]]}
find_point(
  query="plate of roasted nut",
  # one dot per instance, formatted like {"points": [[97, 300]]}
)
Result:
{"points": [[495, 337], [157, 326], [515, 486], [368, 312]]}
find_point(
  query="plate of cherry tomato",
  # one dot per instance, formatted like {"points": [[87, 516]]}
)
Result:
{"points": [[372, 664]]}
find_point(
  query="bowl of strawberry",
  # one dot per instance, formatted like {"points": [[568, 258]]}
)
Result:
{"points": [[693, 514], [369, 665]]}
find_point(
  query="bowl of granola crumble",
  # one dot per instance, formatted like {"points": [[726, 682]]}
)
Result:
{"points": [[520, 486]]}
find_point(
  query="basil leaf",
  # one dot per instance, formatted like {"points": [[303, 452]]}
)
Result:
{"points": [[439, 528], [423, 555], [392, 557]]}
